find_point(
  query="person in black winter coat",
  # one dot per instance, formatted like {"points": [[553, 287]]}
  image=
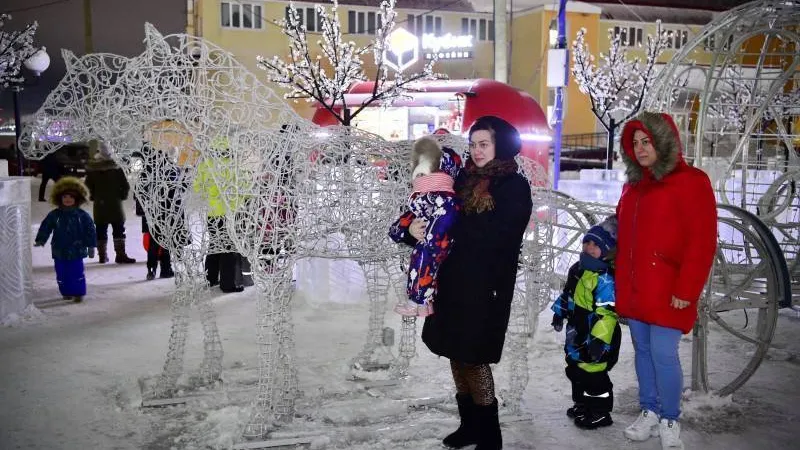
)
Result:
{"points": [[51, 169], [161, 180], [108, 187], [476, 281]]}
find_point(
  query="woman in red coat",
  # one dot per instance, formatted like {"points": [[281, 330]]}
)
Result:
{"points": [[667, 238]]}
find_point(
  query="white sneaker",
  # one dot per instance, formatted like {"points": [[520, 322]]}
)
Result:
{"points": [[645, 427], [670, 431]]}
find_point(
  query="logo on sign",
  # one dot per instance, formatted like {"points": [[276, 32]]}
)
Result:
{"points": [[402, 50]]}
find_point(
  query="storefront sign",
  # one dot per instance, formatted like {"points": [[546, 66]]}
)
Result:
{"points": [[403, 48], [448, 46]]}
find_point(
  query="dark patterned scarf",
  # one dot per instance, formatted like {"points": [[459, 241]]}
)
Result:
{"points": [[475, 190]]}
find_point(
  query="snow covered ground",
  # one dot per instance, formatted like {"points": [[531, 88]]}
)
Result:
{"points": [[69, 375]]}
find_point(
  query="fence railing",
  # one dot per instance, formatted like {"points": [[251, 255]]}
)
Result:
{"points": [[583, 151]]}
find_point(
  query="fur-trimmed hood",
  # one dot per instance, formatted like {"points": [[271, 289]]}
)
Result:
{"points": [[665, 138], [429, 157], [72, 185]]}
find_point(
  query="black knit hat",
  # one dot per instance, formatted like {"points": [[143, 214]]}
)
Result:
{"points": [[507, 141]]}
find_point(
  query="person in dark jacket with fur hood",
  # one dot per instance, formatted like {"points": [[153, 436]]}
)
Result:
{"points": [[477, 280], [108, 187], [667, 239], [73, 233]]}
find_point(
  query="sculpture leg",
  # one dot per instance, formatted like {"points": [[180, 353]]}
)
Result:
{"points": [[407, 348], [516, 348], [173, 367], [211, 368], [286, 392], [376, 274], [276, 391]]}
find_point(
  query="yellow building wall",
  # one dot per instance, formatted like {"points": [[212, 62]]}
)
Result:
{"points": [[698, 55], [530, 35], [529, 55], [247, 44]]}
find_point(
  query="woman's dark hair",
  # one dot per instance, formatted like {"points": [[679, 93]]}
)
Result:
{"points": [[507, 141]]}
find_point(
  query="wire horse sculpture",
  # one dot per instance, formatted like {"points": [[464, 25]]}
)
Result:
{"points": [[220, 165]]}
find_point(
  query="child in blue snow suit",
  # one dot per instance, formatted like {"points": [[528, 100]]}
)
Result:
{"points": [[593, 334], [434, 170], [74, 236]]}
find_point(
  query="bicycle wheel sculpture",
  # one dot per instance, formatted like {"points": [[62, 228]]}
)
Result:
{"points": [[739, 113]]}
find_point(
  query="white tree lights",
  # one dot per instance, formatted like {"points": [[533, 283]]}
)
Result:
{"points": [[618, 85], [15, 48], [309, 77]]}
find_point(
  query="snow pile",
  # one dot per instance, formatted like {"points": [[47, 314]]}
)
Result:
{"points": [[30, 314], [710, 412]]}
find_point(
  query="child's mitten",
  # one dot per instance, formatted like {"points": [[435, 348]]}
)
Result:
{"points": [[597, 349], [558, 322], [91, 252]]}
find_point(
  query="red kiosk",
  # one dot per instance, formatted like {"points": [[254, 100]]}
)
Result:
{"points": [[450, 104]]}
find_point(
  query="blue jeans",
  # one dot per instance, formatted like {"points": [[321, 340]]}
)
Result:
{"points": [[658, 368]]}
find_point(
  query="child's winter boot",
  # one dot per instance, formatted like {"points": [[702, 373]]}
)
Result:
{"points": [[577, 410], [119, 249], [466, 433], [592, 420], [151, 273]]}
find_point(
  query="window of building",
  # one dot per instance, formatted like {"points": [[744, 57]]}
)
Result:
{"points": [[677, 39], [711, 43], [479, 29], [240, 15], [361, 22], [629, 36], [419, 24], [309, 17]]}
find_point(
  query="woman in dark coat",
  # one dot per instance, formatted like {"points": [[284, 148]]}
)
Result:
{"points": [[108, 187], [476, 281]]}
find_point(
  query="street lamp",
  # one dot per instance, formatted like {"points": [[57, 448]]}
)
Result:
{"points": [[37, 63]]}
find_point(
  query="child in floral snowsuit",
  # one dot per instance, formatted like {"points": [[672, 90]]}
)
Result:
{"points": [[433, 199], [74, 236]]}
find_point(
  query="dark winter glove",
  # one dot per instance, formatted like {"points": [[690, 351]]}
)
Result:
{"points": [[597, 349], [558, 322], [91, 252]]}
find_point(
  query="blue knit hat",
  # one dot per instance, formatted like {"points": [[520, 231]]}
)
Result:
{"points": [[604, 235]]}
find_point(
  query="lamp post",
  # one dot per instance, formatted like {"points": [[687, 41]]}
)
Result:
{"points": [[37, 63]]}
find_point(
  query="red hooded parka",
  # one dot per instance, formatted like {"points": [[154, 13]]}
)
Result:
{"points": [[667, 234]]}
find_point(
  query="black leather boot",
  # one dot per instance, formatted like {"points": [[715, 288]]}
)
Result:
{"points": [[465, 434], [166, 265], [121, 256], [488, 425]]}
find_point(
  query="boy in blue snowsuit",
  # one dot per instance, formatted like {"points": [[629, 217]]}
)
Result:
{"points": [[74, 236], [593, 334], [434, 170]]}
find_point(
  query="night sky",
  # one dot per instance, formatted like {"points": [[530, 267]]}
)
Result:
{"points": [[117, 26]]}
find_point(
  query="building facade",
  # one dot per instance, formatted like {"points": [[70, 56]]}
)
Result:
{"points": [[249, 29]]}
